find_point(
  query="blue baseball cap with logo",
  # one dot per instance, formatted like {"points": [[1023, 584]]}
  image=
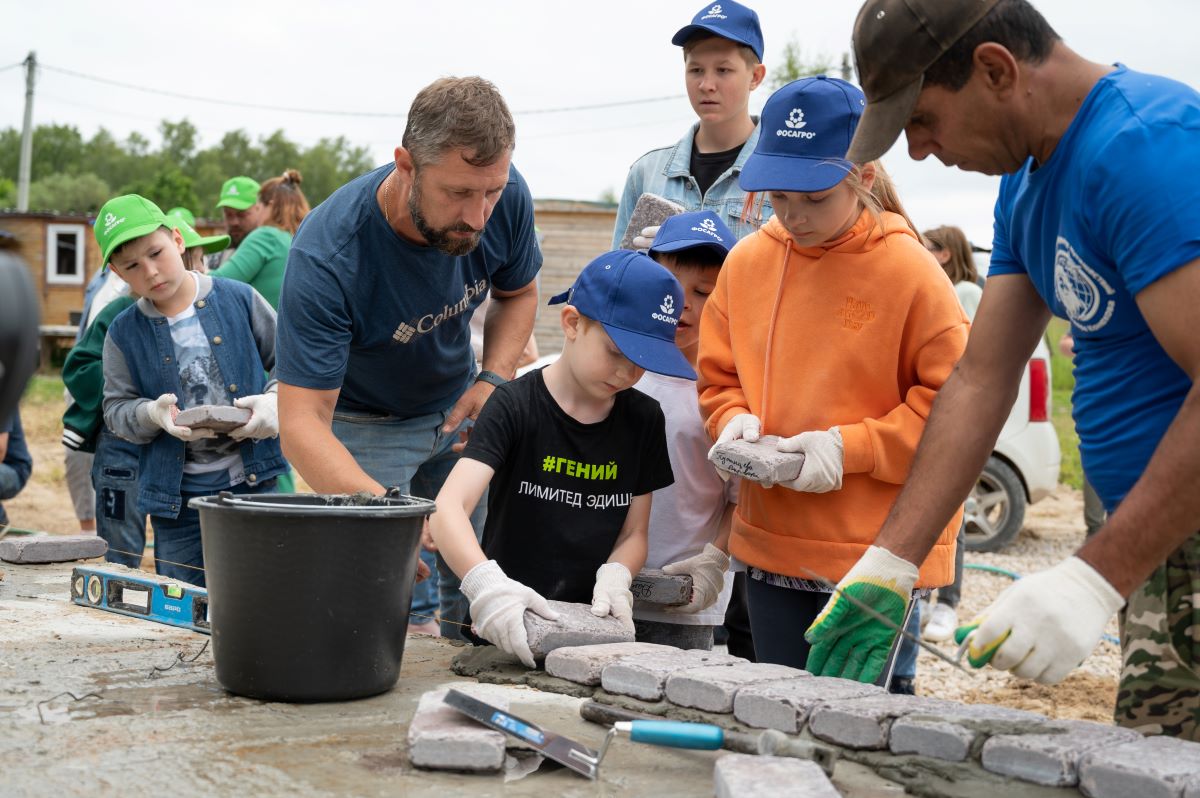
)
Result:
{"points": [[806, 129], [726, 19], [692, 230], [638, 303]]}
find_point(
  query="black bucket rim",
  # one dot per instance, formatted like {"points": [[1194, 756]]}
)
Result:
{"points": [[403, 506]]}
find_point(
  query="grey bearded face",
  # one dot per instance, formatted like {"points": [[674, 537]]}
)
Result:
{"points": [[439, 238]]}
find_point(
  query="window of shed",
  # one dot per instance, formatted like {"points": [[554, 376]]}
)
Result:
{"points": [[65, 254]]}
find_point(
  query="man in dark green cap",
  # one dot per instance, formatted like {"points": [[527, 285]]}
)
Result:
{"points": [[242, 211], [1097, 222]]}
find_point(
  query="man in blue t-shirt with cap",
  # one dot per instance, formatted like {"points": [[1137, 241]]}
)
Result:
{"points": [[377, 378], [1098, 221]]}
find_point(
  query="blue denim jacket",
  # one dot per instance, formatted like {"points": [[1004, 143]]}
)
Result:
{"points": [[667, 173], [139, 364]]}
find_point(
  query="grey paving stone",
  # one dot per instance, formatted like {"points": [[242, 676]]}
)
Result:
{"points": [[786, 705], [441, 738], [864, 723], [583, 664], [1052, 758], [644, 675], [653, 587], [220, 418], [951, 734], [713, 688], [753, 776], [759, 461], [52, 548], [576, 626], [648, 211], [1153, 767]]}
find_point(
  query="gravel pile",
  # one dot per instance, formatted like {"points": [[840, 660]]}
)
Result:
{"points": [[1053, 531]]}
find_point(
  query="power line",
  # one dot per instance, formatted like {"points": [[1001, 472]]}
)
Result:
{"points": [[330, 112], [11, 66]]}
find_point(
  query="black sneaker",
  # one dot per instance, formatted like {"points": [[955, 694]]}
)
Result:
{"points": [[902, 685]]}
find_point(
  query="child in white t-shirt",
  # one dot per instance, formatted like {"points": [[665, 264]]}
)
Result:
{"points": [[689, 520]]}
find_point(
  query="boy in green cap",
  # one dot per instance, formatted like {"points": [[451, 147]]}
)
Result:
{"points": [[189, 341], [242, 212]]}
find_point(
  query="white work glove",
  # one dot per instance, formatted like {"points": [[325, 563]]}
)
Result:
{"points": [[1043, 626], [612, 594], [498, 607], [707, 570], [645, 239], [264, 418], [823, 456], [743, 425], [162, 412]]}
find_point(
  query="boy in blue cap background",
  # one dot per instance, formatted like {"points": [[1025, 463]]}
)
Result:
{"points": [[689, 520], [569, 457], [722, 54]]}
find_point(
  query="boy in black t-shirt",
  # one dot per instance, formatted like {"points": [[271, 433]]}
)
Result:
{"points": [[571, 456]]}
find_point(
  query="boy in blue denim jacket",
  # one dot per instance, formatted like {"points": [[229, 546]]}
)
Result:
{"points": [[722, 54], [189, 341]]}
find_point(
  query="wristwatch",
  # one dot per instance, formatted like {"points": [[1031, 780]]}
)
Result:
{"points": [[490, 377]]}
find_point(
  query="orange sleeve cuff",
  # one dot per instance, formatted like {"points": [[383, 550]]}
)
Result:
{"points": [[858, 456]]}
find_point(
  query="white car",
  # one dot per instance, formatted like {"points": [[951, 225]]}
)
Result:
{"points": [[1023, 467]]}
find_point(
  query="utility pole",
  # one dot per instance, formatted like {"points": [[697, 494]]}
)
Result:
{"points": [[27, 134], [847, 75]]}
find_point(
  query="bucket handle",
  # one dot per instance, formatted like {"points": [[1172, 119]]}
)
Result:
{"points": [[226, 498]]}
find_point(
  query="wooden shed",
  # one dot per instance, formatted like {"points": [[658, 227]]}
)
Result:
{"points": [[576, 232]]}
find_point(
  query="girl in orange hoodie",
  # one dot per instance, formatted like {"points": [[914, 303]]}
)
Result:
{"points": [[833, 328]]}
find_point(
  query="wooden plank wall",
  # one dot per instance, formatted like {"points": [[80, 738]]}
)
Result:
{"points": [[576, 233]]}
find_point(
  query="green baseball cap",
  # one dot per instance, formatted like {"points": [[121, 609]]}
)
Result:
{"points": [[123, 219], [185, 214], [238, 193], [191, 238]]}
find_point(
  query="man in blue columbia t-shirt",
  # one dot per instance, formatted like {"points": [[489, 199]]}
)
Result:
{"points": [[1098, 221], [377, 378]]}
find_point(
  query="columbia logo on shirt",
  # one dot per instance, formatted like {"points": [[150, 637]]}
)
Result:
{"points": [[794, 122], [668, 311], [406, 331]]}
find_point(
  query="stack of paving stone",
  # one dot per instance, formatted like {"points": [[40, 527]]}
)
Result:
{"points": [[913, 739]]}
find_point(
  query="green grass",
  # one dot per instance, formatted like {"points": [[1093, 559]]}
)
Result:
{"points": [[1062, 383], [43, 388]]}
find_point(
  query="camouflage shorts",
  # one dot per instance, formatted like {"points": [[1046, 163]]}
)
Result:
{"points": [[1160, 645]]}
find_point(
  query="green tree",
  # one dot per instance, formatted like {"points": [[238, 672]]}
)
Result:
{"points": [[8, 193], [178, 142], [793, 66], [167, 189], [67, 193]]}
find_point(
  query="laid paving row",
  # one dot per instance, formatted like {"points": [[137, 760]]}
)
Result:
{"points": [[868, 724]]}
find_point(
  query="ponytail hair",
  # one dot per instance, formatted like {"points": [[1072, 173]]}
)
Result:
{"points": [[881, 197], [285, 203]]}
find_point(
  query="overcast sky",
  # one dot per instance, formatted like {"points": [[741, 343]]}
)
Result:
{"points": [[374, 56]]}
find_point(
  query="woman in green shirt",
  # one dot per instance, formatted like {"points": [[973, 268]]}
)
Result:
{"points": [[261, 258]]}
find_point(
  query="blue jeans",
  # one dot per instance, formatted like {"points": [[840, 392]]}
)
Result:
{"points": [[10, 485], [115, 478], [413, 455], [178, 553], [906, 657]]}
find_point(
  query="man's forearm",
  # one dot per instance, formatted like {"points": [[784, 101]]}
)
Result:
{"points": [[506, 330], [965, 421], [1160, 512], [310, 446]]}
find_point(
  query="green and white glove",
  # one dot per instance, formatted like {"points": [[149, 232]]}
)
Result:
{"points": [[849, 642], [1043, 626]]}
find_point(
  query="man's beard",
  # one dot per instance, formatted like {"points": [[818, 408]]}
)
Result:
{"points": [[440, 239]]}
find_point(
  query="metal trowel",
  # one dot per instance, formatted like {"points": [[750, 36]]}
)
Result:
{"points": [[576, 756]]}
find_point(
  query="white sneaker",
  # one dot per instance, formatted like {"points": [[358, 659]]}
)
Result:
{"points": [[943, 620], [923, 606]]}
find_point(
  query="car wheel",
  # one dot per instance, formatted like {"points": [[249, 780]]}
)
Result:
{"points": [[995, 509]]}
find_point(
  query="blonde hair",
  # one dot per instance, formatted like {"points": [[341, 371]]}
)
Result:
{"points": [[880, 197], [285, 203], [961, 266]]}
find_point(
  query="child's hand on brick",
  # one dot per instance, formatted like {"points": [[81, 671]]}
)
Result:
{"points": [[612, 595], [264, 418], [162, 411], [707, 570]]}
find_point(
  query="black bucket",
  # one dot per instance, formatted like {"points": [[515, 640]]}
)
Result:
{"points": [[309, 594]]}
